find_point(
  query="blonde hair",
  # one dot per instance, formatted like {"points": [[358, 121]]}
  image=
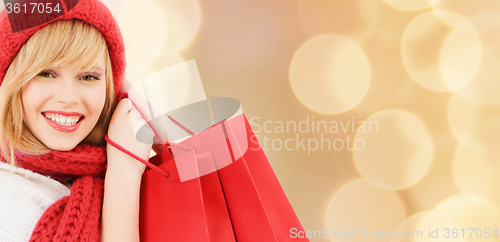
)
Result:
{"points": [[69, 42]]}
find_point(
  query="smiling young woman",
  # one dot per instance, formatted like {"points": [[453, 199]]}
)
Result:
{"points": [[58, 99], [54, 84]]}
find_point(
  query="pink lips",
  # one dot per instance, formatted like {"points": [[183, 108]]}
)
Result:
{"points": [[63, 128]]}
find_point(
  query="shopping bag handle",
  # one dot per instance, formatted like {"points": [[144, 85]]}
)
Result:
{"points": [[145, 162], [122, 95]]}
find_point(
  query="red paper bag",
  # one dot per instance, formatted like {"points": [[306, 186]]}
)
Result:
{"points": [[194, 210], [219, 188], [259, 208], [257, 204]]}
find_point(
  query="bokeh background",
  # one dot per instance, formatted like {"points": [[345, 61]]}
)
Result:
{"points": [[425, 72]]}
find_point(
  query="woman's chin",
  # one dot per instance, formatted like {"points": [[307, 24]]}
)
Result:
{"points": [[62, 146]]}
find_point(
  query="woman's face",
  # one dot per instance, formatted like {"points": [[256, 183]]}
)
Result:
{"points": [[62, 105]]}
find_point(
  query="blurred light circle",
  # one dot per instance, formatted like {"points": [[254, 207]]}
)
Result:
{"points": [[488, 26], [471, 211], [484, 88], [441, 50], [183, 20], [360, 205], [356, 19], [475, 125], [397, 154], [330, 74], [485, 138], [143, 25], [467, 7], [245, 39], [464, 116], [418, 226], [477, 173], [410, 5]]}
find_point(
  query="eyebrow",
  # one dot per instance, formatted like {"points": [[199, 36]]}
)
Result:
{"points": [[96, 68]]}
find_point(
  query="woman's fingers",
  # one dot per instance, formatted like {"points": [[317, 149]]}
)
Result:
{"points": [[124, 107], [134, 115]]}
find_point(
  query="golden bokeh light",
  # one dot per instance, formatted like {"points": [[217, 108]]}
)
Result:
{"points": [[477, 173], [144, 26], [360, 205], [410, 5], [397, 154], [420, 228], [159, 27], [475, 125], [435, 224], [183, 20], [441, 50], [471, 211], [466, 7], [357, 20], [484, 87], [488, 25], [485, 138], [330, 74]]}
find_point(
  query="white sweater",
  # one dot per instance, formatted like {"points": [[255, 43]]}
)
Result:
{"points": [[24, 196]]}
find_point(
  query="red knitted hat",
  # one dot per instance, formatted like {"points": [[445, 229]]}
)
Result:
{"points": [[16, 29]]}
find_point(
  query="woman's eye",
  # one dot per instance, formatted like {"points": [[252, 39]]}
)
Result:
{"points": [[45, 74], [90, 78]]}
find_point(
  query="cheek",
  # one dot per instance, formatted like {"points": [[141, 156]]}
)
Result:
{"points": [[95, 99], [32, 98]]}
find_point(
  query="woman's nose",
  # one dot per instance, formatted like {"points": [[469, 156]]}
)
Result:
{"points": [[68, 92]]}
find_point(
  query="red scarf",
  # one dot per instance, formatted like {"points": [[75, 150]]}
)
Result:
{"points": [[76, 217]]}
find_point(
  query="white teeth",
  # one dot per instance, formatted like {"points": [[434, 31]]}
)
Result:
{"points": [[63, 120]]}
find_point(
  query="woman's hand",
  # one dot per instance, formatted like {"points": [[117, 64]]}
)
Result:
{"points": [[123, 126], [120, 211], [127, 87]]}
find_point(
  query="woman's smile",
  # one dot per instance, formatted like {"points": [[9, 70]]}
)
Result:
{"points": [[63, 121]]}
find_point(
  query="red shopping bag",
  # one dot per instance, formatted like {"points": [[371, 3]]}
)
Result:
{"points": [[194, 210], [257, 204], [259, 208], [218, 189], [175, 210]]}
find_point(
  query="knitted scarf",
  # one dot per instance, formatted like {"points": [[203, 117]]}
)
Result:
{"points": [[76, 217]]}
